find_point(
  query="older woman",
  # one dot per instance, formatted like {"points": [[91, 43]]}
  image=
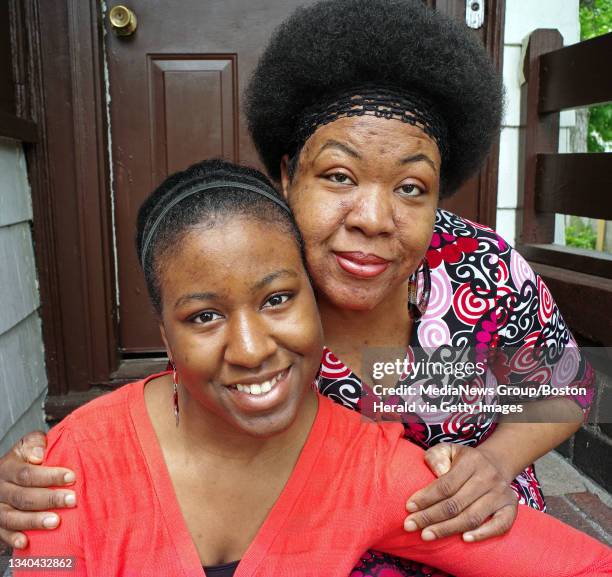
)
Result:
{"points": [[368, 112]]}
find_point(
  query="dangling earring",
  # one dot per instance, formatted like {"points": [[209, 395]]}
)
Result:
{"points": [[175, 394], [418, 306]]}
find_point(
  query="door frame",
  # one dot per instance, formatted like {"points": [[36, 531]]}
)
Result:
{"points": [[60, 53], [495, 13], [59, 48]]}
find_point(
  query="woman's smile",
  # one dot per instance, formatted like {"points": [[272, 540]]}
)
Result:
{"points": [[362, 265], [261, 394]]}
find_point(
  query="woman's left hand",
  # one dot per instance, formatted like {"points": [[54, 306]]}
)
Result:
{"points": [[470, 488]]}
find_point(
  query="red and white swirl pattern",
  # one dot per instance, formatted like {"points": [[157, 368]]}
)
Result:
{"points": [[441, 298], [566, 368], [526, 488], [545, 310], [460, 426], [332, 368], [468, 306], [526, 358], [541, 376], [520, 271], [503, 273], [433, 334]]}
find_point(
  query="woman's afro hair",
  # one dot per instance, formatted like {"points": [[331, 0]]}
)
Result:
{"points": [[330, 46]]}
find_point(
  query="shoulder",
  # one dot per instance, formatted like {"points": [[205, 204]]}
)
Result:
{"points": [[97, 429], [455, 237], [105, 413], [373, 444], [354, 431], [450, 223]]}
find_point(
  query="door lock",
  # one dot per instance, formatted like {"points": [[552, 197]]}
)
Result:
{"points": [[474, 13], [122, 20]]}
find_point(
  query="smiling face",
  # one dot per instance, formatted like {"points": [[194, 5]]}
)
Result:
{"points": [[240, 322], [364, 195]]}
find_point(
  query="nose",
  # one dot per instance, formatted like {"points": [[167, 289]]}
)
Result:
{"points": [[249, 340], [372, 212]]}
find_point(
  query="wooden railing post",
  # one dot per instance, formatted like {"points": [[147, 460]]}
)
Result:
{"points": [[541, 136]]}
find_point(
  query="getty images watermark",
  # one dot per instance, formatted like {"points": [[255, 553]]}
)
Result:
{"points": [[532, 384]]}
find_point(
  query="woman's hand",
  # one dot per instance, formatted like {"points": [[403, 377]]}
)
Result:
{"points": [[470, 488], [21, 475]]}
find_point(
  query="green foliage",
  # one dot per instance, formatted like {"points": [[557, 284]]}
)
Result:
{"points": [[600, 127], [579, 234], [595, 20]]}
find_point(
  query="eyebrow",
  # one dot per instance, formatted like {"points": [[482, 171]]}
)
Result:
{"points": [[343, 147], [272, 277], [418, 158], [211, 296], [208, 296]]}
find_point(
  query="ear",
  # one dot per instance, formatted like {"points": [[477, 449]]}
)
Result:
{"points": [[162, 330], [284, 169]]}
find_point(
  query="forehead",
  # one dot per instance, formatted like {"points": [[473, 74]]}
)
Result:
{"points": [[237, 252], [373, 135]]}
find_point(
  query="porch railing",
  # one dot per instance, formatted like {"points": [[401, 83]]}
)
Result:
{"points": [[579, 184]]}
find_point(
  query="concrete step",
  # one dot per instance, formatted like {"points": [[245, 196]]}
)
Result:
{"points": [[575, 499]]}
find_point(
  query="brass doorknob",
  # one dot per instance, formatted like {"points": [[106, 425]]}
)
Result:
{"points": [[123, 20]]}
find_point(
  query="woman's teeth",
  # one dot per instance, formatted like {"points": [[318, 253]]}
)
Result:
{"points": [[260, 388]]}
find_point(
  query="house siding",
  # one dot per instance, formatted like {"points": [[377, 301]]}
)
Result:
{"points": [[23, 382]]}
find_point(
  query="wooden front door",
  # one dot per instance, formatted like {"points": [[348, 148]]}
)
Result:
{"points": [[175, 88]]}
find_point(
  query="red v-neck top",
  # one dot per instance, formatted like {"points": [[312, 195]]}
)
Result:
{"points": [[345, 495]]}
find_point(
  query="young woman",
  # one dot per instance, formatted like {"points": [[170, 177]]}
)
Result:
{"points": [[232, 463]]}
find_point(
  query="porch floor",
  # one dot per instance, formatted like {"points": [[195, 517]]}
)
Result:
{"points": [[572, 497]]}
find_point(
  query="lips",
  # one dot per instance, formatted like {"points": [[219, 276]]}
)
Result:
{"points": [[362, 265], [263, 396]]}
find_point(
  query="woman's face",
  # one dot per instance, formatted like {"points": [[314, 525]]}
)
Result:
{"points": [[364, 195], [240, 322]]}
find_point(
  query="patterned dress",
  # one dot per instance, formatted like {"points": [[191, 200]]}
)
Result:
{"points": [[486, 302]]}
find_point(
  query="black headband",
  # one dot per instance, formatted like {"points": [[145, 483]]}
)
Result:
{"points": [[258, 188], [382, 102]]}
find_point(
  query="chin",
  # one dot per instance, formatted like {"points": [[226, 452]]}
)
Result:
{"points": [[264, 431], [264, 426], [358, 300]]}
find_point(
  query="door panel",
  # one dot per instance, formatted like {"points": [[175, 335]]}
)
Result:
{"points": [[175, 88], [194, 110]]}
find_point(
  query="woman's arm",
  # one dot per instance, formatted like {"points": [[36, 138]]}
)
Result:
{"points": [[515, 445], [24, 503], [536, 545], [473, 482]]}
